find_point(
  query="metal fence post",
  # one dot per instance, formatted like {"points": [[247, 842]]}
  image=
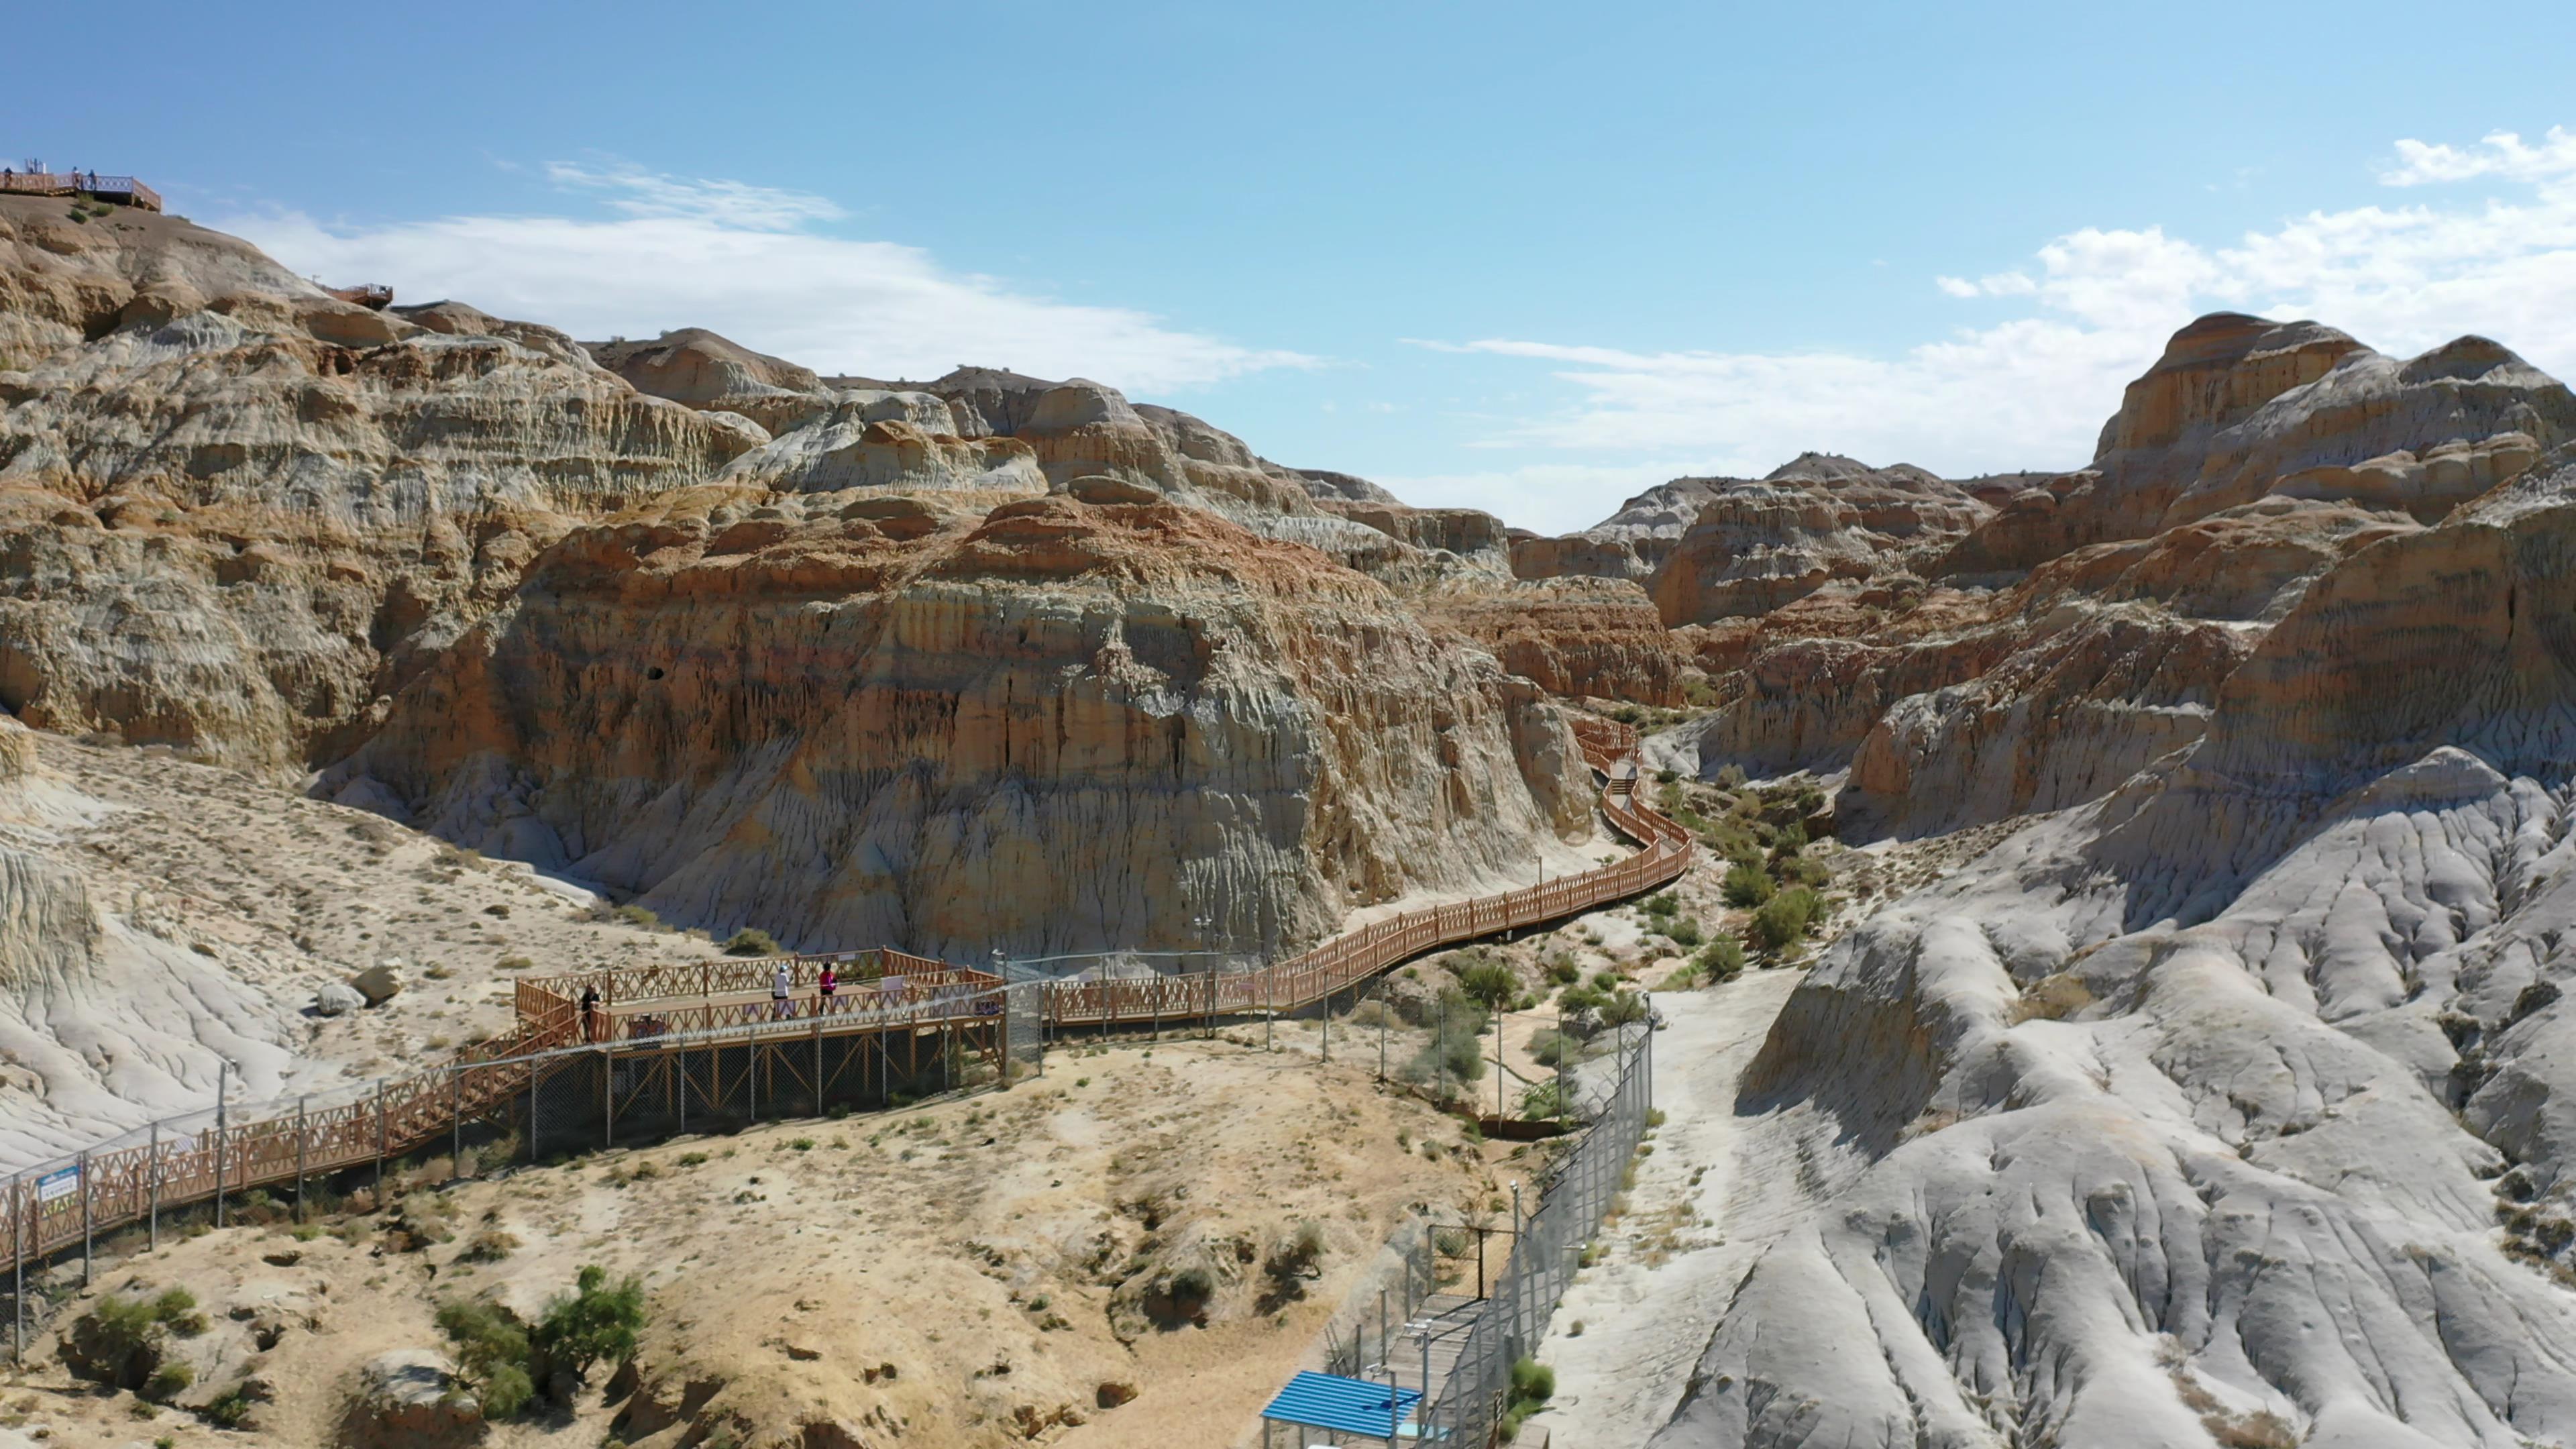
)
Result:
{"points": [[532, 1114], [299, 1159], [153, 1155], [608, 1096], [384, 1134], [455, 1122]]}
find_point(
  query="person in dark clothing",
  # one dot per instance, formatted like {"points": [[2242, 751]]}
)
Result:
{"points": [[590, 1013]]}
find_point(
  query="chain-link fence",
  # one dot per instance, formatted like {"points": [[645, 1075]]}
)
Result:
{"points": [[1548, 1247]]}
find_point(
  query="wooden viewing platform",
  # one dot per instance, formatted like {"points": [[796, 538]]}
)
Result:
{"points": [[665, 1035], [123, 190]]}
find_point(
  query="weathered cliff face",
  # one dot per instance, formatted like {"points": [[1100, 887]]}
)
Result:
{"points": [[2084, 630], [1757, 546], [1058, 726], [2145, 1125], [234, 512], [1575, 638]]}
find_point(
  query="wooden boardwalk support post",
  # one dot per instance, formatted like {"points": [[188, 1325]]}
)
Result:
{"points": [[221, 1070], [455, 1122], [607, 1098], [152, 1154], [299, 1159], [85, 1218], [384, 1136]]}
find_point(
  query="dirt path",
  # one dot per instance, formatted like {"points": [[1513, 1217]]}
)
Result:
{"points": [[1623, 1341]]}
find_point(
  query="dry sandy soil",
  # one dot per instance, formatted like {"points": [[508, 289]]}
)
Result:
{"points": [[990, 1249]]}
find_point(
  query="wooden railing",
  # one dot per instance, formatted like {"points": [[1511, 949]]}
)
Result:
{"points": [[74, 183], [1339, 963], [727, 1001]]}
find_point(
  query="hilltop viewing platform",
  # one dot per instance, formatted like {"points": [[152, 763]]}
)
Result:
{"points": [[122, 190]]}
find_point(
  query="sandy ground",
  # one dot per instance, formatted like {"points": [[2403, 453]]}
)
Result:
{"points": [[1700, 1212], [991, 1249]]}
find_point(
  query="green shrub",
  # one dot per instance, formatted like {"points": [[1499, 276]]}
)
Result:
{"points": [[1605, 980], [1731, 778], [1662, 905], [1625, 1008], [1562, 970], [637, 916], [1721, 959], [1455, 1044], [1746, 886], [594, 1323], [1550, 1048], [1784, 918], [1533, 1384], [119, 1342], [751, 941], [1542, 1101], [229, 1410], [168, 1382], [1489, 983], [1791, 839], [1685, 932], [491, 1354]]}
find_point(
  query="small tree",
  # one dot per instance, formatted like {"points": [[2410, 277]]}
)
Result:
{"points": [[595, 1323], [491, 1355]]}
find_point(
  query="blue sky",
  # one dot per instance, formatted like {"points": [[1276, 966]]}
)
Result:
{"points": [[1516, 257]]}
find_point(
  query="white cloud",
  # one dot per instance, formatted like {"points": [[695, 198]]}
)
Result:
{"points": [[2032, 391], [748, 262], [2500, 153]]}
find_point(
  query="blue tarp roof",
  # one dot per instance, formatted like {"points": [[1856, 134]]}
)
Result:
{"points": [[1329, 1401]]}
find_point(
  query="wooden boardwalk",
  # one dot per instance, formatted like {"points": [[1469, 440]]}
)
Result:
{"points": [[660, 1012]]}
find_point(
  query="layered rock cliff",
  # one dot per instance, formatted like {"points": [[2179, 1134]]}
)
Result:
{"points": [[2038, 658], [236, 512], [1059, 725], [2192, 1114]]}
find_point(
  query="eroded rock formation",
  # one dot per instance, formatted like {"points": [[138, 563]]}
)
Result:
{"points": [[2192, 1113], [1057, 725]]}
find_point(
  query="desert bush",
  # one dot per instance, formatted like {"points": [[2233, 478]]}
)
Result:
{"points": [[1784, 918], [1731, 778], [1746, 886], [1624, 1008], [597, 1322], [638, 916], [168, 1382], [1488, 983], [1721, 959], [1685, 932], [491, 1354], [119, 1341], [1662, 905], [751, 941], [1455, 1043], [1533, 1384]]}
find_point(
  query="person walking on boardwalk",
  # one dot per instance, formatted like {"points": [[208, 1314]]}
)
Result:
{"points": [[824, 986], [779, 983], [590, 1012]]}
